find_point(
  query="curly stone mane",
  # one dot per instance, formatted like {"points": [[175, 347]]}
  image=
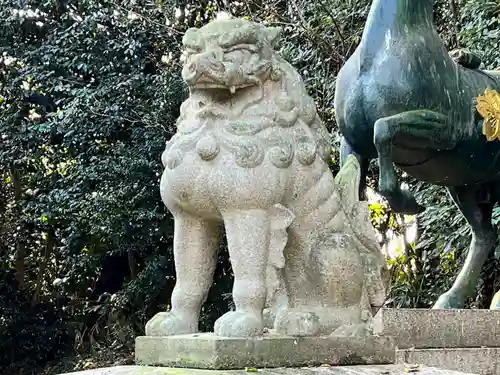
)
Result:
{"points": [[244, 98]]}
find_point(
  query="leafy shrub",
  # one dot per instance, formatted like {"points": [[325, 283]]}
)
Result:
{"points": [[481, 30], [29, 334]]}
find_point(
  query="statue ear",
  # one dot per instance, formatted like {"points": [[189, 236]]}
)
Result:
{"points": [[191, 38], [272, 35]]}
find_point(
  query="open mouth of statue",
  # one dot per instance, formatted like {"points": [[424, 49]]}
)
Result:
{"points": [[207, 83]]}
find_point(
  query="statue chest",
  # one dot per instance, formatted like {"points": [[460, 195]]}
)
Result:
{"points": [[210, 187]]}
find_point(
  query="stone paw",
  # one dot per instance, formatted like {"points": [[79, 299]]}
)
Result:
{"points": [[353, 330], [297, 323], [170, 324], [449, 300], [269, 318], [239, 324], [403, 201]]}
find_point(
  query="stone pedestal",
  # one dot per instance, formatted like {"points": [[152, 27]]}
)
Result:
{"points": [[207, 351]]}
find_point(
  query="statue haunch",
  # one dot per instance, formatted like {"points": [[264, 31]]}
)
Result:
{"points": [[250, 156]]}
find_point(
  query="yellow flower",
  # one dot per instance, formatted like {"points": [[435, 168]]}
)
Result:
{"points": [[488, 106]]}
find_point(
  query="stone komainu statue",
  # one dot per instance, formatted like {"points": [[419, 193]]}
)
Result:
{"points": [[251, 156]]}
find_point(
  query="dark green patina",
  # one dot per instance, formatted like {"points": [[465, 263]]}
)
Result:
{"points": [[402, 99]]}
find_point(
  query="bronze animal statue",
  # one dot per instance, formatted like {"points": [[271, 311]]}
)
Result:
{"points": [[403, 99]]}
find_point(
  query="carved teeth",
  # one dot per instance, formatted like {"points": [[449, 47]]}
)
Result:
{"points": [[232, 89]]}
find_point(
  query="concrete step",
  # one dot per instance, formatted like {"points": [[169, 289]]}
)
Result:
{"points": [[425, 328], [484, 361], [335, 370]]}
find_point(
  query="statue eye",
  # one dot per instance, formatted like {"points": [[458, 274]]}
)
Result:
{"points": [[193, 47], [192, 40], [225, 42]]}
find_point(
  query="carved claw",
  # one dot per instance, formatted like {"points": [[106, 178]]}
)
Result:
{"points": [[169, 324], [238, 324], [297, 323], [269, 318]]}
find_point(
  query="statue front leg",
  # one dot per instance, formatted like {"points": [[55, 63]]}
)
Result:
{"points": [[478, 215], [195, 255], [495, 302], [248, 238], [423, 124]]}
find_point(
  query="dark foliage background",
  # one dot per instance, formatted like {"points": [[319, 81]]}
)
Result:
{"points": [[89, 92]]}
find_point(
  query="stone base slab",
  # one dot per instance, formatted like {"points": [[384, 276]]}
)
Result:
{"points": [[340, 370], [207, 351], [425, 328], [484, 361]]}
